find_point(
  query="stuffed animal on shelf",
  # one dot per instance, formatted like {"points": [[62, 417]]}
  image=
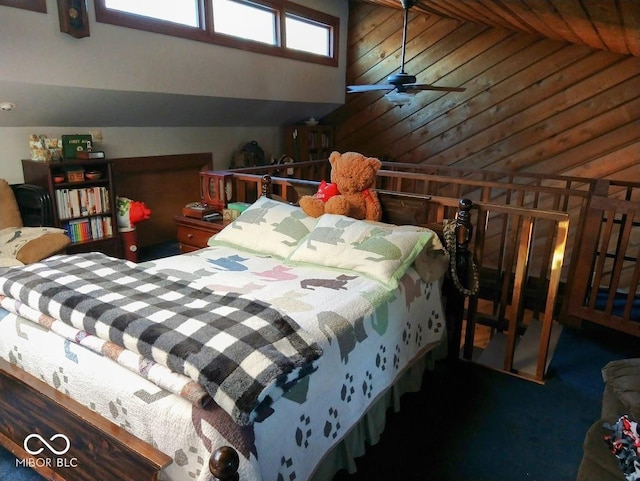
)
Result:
{"points": [[130, 212], [354, 177]]}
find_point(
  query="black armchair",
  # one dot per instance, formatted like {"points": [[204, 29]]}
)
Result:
{"points": [[34, 202]]}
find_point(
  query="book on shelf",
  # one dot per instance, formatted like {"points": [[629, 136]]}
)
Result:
{"points": [[90, 154], [93, 228], [82, 202]]}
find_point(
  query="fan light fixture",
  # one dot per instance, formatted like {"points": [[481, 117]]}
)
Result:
{"points": [[398, 98]]}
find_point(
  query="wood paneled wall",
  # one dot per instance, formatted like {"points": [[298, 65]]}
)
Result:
{"points": [[531, 104], [164, 183]]}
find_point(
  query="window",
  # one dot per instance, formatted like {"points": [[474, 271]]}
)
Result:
{"points": [[179, 11], [35, 5], [272, 27], [257, 23], [307, 36]]}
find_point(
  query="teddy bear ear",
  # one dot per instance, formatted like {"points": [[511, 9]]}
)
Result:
{"points": [[335, 155], [374, 163]]}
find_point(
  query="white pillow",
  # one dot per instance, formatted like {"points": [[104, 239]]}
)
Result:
{"points": [[267, 227], [382, 252]]}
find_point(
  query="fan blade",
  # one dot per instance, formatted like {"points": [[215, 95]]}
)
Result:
{"points": [[417, 87], [368, 88]]}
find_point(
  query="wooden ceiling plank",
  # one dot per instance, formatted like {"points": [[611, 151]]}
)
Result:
{"points": [[546, 123], [434, 44], [604, 24], [518, 89], [462, 36], [358, 13], [557, 123], [440, 66], [478, 112], [386, 3], [541, 130], [620, 164], [479, 14], [527, 15], [514, 17], [365, 74], [607, 22], [379, 21], [396, 140], [630, 14], [461, 10], [374, 41], [421, 115], [547, 15], [435, 7], [592, 148], [574, 14], [385, 58]]}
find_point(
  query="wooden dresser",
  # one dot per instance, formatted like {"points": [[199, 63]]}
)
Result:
{"points": [[193, 234]]}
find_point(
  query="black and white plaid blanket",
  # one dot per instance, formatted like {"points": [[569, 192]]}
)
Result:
{"points": [[244, 352]]}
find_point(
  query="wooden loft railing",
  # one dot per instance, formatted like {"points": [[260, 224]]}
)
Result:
{"points": [[608, 269], [503, 193], [515, 266], [309, 170], [517, 302], [605, 280], [525, 190]]}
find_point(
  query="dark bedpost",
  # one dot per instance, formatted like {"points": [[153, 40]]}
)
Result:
{"points": [[224, 463], [455, 305]]}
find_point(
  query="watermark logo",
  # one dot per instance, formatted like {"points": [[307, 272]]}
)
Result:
{"points": [[34, 448], [44, 441]]}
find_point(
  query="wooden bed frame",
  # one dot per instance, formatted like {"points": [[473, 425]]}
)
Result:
{"points": [[105, 451]]}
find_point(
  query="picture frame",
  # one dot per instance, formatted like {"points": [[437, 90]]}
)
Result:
{"points": [[73, 17]]}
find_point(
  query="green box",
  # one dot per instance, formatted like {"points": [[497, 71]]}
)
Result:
{"points": [[239, 206], [71, 144]]}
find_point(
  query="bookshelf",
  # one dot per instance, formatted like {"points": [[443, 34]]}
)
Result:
{"points": [[303, 142], [85, 207]]}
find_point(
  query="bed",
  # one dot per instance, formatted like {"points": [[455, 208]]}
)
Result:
{"points": [[320, 340]]}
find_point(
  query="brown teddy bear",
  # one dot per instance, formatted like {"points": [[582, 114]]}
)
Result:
{"points": [[354, 175]]}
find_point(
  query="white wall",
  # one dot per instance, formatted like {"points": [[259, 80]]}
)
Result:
{"points": [[34, 51], [144, 141]]}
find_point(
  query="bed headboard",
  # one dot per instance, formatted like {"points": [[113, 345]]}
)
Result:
{"points": [[165, 183]]}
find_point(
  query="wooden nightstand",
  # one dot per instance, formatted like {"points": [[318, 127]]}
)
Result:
{"points": [[193, 234]]}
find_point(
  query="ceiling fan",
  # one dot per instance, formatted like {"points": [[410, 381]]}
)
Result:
{"points": [[401, 85]]}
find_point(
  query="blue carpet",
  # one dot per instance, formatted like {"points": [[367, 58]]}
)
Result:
{"points": [[470, 423], [158, 251], [9, 471]]}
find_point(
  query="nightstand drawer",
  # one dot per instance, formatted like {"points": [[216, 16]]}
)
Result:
{"points": [[194, 236], [193, 233]]}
